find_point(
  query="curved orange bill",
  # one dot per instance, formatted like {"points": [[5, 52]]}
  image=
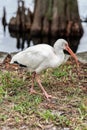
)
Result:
{"points": [[72, 54]]}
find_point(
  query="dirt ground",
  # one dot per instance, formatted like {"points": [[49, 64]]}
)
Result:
{"points": [[19, 110]]}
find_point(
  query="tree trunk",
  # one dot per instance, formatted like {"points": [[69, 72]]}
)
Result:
{"points": [[47, 17], [73, 19], [36, 26], [50, 17], [56, 17], [59, 18]]}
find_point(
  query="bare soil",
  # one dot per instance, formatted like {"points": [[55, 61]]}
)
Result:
{"points": [[21, 111]]}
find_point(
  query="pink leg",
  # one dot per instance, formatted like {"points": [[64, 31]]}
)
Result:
{"points": [[32, 87], [44, 91]]}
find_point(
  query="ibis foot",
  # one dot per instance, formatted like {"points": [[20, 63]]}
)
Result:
{"points": [[32, 91], [48, 97]]}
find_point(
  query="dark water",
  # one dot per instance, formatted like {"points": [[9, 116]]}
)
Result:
{"points": [[8, 42]]}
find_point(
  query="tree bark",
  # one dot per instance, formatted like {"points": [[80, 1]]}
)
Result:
{"points": [[58, 17], [47, 17], [50, 17], [36, 26], [73, 19]]}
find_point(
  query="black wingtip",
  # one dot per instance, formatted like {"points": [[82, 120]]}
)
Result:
{"points": [[21, 65]]}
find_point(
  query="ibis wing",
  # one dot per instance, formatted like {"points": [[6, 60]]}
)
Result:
{"points": [[33, 56]]}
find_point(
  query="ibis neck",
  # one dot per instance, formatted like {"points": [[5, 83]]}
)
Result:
{"points": [[60, 56], [59, 52]]}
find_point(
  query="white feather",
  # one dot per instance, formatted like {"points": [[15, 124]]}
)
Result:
{"points": [[42, 56]]}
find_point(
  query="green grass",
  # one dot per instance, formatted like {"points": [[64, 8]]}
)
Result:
{"points": [[47, 115], [58, 73], [82, 111], [56, 118], [19, 107], [28, 104]]}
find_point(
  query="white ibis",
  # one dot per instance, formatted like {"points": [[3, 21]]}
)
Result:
{"points": [[42, 56]]}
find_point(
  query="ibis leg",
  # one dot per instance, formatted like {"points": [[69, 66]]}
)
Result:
{"points": [[42, 88], [32, 87]]}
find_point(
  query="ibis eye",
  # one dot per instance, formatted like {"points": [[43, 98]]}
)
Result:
{"points": [[66, 44]]}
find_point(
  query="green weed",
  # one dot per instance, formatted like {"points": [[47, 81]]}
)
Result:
{"points": [[47, 115], [82, 111]]}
